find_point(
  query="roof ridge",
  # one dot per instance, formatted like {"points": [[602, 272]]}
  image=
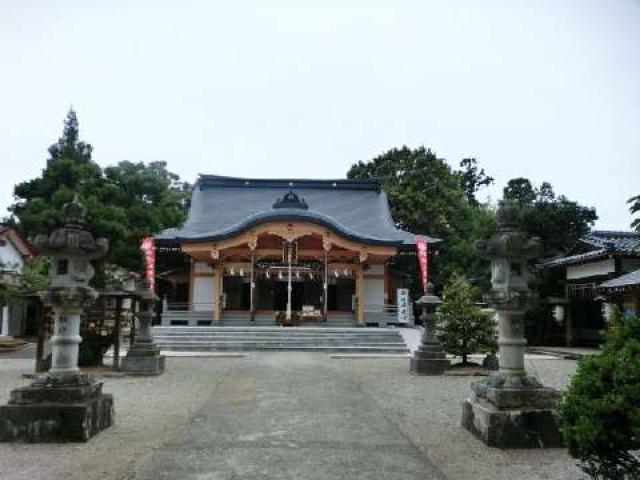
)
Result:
{"points": [[372, 184], [612, 233]]}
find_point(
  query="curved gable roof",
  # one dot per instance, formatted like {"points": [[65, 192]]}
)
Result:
{"points": [[222, 207]]}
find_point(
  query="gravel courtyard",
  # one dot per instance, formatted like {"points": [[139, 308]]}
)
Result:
{"points": [[284, 416]]}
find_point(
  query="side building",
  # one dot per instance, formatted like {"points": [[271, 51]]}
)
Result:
{"points": [[15, 252], [585, 274], [311, 250]]}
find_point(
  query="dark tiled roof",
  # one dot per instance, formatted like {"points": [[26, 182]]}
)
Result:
{"points": [[222, 207], [604, 244], [624, 281], [618, 241]]}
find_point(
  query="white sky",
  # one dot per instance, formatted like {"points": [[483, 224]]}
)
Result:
{"points": [[547, 90]]}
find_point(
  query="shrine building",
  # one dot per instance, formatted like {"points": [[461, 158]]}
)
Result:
{"points": [[285, 251]]}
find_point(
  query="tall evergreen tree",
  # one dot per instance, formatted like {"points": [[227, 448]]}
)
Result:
{"points": [[124, 202], [464, 328]]}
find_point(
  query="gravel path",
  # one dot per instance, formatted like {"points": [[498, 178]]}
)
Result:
{"points": [[284, 416]]}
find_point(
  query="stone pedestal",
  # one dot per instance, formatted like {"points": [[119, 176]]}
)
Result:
{"points": [[55, 409], [143, 360], [520, 415], [429, 359]]}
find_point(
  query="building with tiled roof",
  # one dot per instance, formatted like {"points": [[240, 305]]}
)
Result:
{"points": [[258, 247], [602, 262]]}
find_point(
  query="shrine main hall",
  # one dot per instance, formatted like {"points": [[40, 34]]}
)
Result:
{"points": [[285, 251]]}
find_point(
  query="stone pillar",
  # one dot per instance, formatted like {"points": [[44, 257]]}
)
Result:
{"points": [[511, 409], [143, 357], [64, 404], [65, 343], [430, 358]]}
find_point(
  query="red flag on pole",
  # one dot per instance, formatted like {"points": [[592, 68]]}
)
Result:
{"points": [[421, 245], [147, 245]]}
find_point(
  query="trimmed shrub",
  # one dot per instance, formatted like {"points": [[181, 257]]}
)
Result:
{"points": [[600, 412]]}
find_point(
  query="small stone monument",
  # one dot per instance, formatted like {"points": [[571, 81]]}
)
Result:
{"points": [[63, 404], [430, 358], [511, 409], [143, 357]]}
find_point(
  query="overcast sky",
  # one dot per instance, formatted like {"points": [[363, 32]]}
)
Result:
{"points": [[548, 90]]}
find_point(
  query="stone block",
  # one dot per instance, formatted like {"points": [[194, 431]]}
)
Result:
{"points": [[56, 422], [428, 366], [511, 428], [148, 364]]}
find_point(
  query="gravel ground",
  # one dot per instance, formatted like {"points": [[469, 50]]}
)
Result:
{"points": [[154, 413]]}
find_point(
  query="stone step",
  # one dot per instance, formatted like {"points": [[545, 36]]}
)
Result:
{"points": [[320, 339], [299, 348]]}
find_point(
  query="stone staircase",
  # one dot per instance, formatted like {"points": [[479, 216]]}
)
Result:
{"points": [[302, 339], [195, 318]]}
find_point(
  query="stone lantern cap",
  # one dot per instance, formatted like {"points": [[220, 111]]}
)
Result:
{"points": [[72, 239], [429, 298], [510, 242]]}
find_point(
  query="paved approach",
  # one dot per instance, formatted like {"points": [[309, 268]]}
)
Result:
{"points": [[290, 417], [284, 416]]}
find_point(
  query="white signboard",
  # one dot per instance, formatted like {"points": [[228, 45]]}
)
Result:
{"points": [[404, 306]]}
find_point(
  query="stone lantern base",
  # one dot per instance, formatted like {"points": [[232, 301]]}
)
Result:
{"points": [[143, 359], [69, 408], [429, 359], [512, 413]]}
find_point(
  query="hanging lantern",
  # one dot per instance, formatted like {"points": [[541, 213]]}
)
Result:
{"points": [[280, 275], [310, 275], [232, 272], [346, 272], [336, 273], [268, 275], [242, 272]]}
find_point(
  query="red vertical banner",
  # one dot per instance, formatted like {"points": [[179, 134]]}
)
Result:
{"points": [[147, 245], [421, 245]]}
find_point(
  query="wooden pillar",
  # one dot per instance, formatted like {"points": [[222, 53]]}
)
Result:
{"points": [[360, 292], [192, 271], [217, 292], [252, 285], [42, 328], [132, 331], [116, 335], [325, 286]]}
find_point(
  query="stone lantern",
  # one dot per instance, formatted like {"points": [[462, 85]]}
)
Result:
{"points": [[511, 409], [143, 357], [64, 404], [430, 358]]}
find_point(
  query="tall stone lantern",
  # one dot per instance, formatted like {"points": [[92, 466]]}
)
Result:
{"points": [[430, 358], [64, 404], [511, 409], [143, 357]]}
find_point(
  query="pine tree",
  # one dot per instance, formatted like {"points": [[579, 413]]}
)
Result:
{"points": [[463, 327]]}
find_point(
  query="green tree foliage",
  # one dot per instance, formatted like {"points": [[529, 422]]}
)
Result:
{"points": [[427, 197], [600, 412], [463, 327], [125, 202], [558, 221], [472, 179], [635, 209], [31, 278]]}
